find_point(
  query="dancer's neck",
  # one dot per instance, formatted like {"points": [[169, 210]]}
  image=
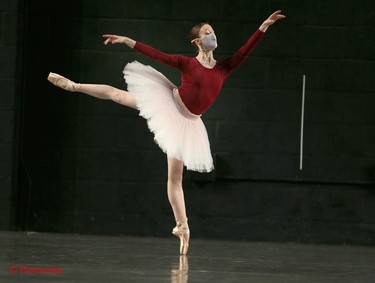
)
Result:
{"points": [[206, 58]]}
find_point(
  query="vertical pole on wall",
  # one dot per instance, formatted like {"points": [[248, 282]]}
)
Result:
{"points": [[302, 121]]}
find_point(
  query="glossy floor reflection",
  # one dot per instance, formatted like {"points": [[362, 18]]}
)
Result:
{"points": [[40, 257]]}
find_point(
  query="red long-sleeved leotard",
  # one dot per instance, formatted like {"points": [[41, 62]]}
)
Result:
{"points": [[200, 85]]}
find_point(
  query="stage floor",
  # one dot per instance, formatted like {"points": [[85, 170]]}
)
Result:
{"points": [[45, 257]]}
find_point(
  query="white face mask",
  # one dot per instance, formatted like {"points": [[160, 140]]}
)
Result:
{"points": [[209, 42]]}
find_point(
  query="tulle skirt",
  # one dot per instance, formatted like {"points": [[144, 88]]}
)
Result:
{"points": [[178, 132]]}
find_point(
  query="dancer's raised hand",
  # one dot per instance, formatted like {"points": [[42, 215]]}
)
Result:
{"points": [[271, 20], [111, 38], [114, 39]]}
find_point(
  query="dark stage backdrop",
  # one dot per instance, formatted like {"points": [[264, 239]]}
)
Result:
{"points": [[91, 166], [11, 56]]}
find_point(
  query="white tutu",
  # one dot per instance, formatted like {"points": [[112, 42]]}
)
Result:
{"points": [[178, 132]]}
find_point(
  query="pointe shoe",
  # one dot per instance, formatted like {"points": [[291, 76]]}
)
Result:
{"points": [[62, 82], [182, 231]]}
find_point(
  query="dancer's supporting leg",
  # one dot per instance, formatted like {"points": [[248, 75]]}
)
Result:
{"points": [[97, 90], [176, 199]]}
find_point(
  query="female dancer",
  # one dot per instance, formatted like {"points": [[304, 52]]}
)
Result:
{"points": [[173, 113]]}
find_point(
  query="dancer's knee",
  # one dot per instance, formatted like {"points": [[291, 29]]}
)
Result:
{"points": [[115, 94], [175, 179], [175, 170], [123, 97]]}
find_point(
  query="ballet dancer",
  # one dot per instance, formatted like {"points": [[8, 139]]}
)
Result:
{"points": [[173, 113]]}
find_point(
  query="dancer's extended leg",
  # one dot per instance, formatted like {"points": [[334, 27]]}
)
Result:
{"points": [[97, 90], [177, 201]]}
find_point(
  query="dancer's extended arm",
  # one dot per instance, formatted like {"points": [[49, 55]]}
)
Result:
{"points": [[234, 61], [172, 60]]}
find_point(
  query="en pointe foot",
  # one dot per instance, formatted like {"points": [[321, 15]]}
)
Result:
{"points": [[182, 231], [63, 82]]}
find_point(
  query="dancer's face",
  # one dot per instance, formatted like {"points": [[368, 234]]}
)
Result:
{"points": [[205, 30], [207, 40], [205, 37]]}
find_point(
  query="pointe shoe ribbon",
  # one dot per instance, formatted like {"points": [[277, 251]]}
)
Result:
{"points": [[182, 231], [62, 82]]}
